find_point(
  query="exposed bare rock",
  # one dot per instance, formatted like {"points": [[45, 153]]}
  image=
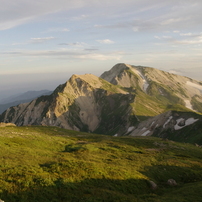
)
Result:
{"points": [[153, 185], [6, 124], [172, 182]]}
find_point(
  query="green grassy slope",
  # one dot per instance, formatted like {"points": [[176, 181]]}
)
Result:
{"points": [[46, 164], [146, 106]]}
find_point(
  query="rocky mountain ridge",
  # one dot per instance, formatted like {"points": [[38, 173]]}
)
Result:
{"points": [[118, 103]]}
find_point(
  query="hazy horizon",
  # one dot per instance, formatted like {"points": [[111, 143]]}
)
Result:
{"points": [[37, 82]]}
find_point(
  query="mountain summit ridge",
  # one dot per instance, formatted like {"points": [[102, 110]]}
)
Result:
{"points": [[157, 83]]}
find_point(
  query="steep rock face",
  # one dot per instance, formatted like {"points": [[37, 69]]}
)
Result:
{"points": [[85, 103], [167, 89]]}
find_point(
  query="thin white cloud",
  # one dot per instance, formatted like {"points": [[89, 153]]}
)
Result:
{"points": [[91, 49], [182, 38], [186, 34], [197, 41], [167, 37], [95, 56], [75, 44], [165, 13], [78, 18], [57, 30], [10, 23], [135, 29], [172, 21], [66, 53], [162, 16], [14, 13], [41, 40], [157, 37], [105, 41]]}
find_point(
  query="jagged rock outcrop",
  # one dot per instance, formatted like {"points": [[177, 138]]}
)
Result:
{"points": [[85, 103]]}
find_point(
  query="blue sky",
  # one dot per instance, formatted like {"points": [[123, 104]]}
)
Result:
{"points": [[44, 42]]}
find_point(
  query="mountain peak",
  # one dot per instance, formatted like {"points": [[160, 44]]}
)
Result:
{"points": [[87, 78], [127, 76], [114, 71]]}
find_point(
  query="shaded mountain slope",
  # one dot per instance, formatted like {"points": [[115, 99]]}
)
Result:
{"points": [[173, 125]]}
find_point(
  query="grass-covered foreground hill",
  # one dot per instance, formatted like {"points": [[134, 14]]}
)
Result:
{"points": [[49, 164]]}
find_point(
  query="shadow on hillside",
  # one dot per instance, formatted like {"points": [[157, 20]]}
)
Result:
{"points": [[143, 118], [100, 112], [101, 190], [87, 190], [161, 173]]}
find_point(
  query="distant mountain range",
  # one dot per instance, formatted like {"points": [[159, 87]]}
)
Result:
{"points": [[21, 98], [126, 100]]}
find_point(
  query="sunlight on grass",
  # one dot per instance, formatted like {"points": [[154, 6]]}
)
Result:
{"points": [[54, 164]]}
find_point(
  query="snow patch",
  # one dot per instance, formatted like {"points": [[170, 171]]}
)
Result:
{"points": [[146, 133], [187, 122], [130, 128], [144, 128], [145, 86], [152, 123], [115, 135], [177, 127], [190, 121], [145, 83], [199, 87], [169, 119]]}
